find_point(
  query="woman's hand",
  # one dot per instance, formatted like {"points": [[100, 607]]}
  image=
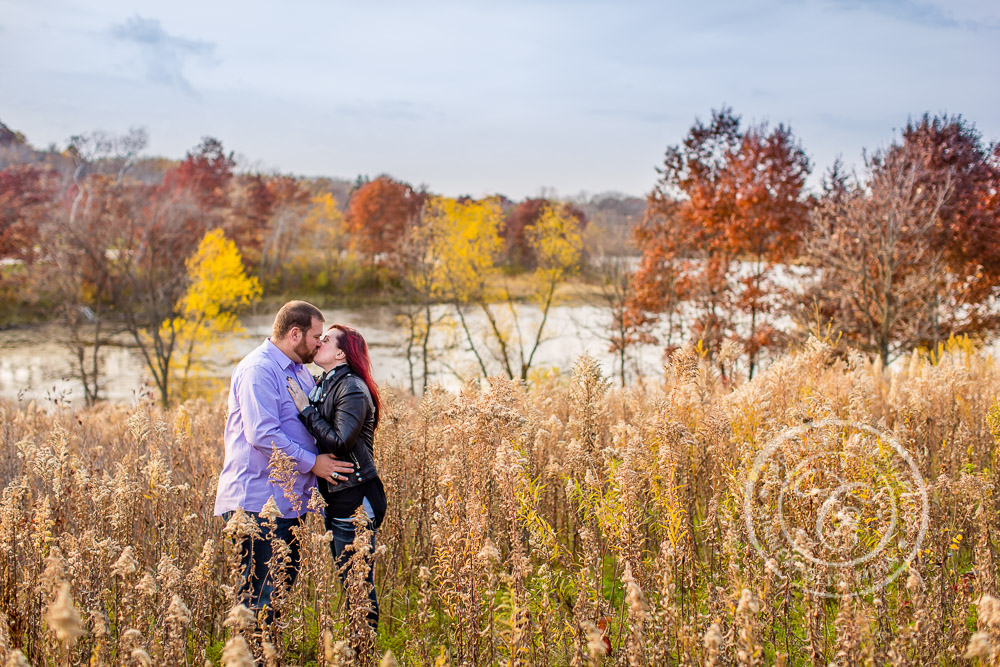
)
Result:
{"points": [[298, 397]]}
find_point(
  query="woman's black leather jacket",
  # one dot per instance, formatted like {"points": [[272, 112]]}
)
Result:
{"points": [[341, 416]]}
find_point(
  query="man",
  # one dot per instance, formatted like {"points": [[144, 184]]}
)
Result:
{"points": [[262, 418]]}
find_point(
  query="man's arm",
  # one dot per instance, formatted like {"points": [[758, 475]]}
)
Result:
{"points": [[260, 407]]}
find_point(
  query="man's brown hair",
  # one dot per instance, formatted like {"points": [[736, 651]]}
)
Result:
{"points": [[295, 314]]}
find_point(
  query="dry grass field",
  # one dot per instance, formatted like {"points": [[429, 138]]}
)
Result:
{"points": [[568, 523]]}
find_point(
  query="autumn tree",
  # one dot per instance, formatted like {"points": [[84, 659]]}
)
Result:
{"points": [[218, 290], [728, 206], [612, 262], [14, 148], [516, 228], [82, 274], [82, 243], [906, 255], [461, 246], [161, 228], [205, 175], [378, 216], [26, 194], [557, 244], [766, 178], [467, 251], [252, 204], [657, 291], [949, 151], [289, 205], [320, 243], [685, 255], [200, 190], [120, 251], [872, 245], [423, 285]]}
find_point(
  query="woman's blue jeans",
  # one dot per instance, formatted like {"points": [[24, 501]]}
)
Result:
{"points": [[343, 536]]}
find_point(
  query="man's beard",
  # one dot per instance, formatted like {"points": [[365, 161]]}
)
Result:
{"points": [[305, 352]]}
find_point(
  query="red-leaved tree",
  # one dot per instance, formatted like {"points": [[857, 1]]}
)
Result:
{"points": [[25, 192], [909, 253], [947, 149]]}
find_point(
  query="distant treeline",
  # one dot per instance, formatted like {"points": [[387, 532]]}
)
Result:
{"points": [[277, 221]]}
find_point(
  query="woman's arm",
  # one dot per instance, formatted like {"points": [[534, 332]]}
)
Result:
{"points": [[337, 429]]}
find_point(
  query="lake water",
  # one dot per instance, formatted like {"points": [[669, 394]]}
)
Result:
{"points": [[35, 365]]}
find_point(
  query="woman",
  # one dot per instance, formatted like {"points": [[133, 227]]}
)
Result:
{"points": [[342, 413]]}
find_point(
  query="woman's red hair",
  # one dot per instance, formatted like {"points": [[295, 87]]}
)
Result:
{"points": [[355, 349]]}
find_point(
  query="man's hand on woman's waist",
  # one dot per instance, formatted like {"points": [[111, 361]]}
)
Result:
{"points": [[331, 469]]}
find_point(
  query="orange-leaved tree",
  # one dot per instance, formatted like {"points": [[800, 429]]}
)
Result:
{"points": [[25, 192], [378, 216], [728, 206], [26, 200]]}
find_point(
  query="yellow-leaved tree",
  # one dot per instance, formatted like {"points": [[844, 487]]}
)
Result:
{"points": [[456, 248], [457, 245], [555, 237], [315, 257], [218, 290]]}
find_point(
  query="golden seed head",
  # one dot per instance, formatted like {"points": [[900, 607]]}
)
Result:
{"points": [[141, 657], [713, 639], [988, 608], [147, 585], [239, 616], [270, 510], [595, 639], [979, 646], [17, 659], [126, 563], [316, 502], [747, 603], [178, 612], [236, 653], [63, 617]]}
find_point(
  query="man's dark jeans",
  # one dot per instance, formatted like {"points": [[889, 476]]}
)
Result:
{"points": [[257, 585], [343, 537]]}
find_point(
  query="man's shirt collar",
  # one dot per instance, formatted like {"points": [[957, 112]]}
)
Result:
{"points": [[280, 357]]}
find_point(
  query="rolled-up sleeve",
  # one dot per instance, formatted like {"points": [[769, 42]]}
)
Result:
{"points": [[260, 404]]}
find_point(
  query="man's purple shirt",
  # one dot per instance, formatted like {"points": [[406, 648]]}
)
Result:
{"points": [[261, 415]]}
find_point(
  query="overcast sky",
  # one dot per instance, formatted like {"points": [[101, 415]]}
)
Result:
{"points": [[474, 97]]}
